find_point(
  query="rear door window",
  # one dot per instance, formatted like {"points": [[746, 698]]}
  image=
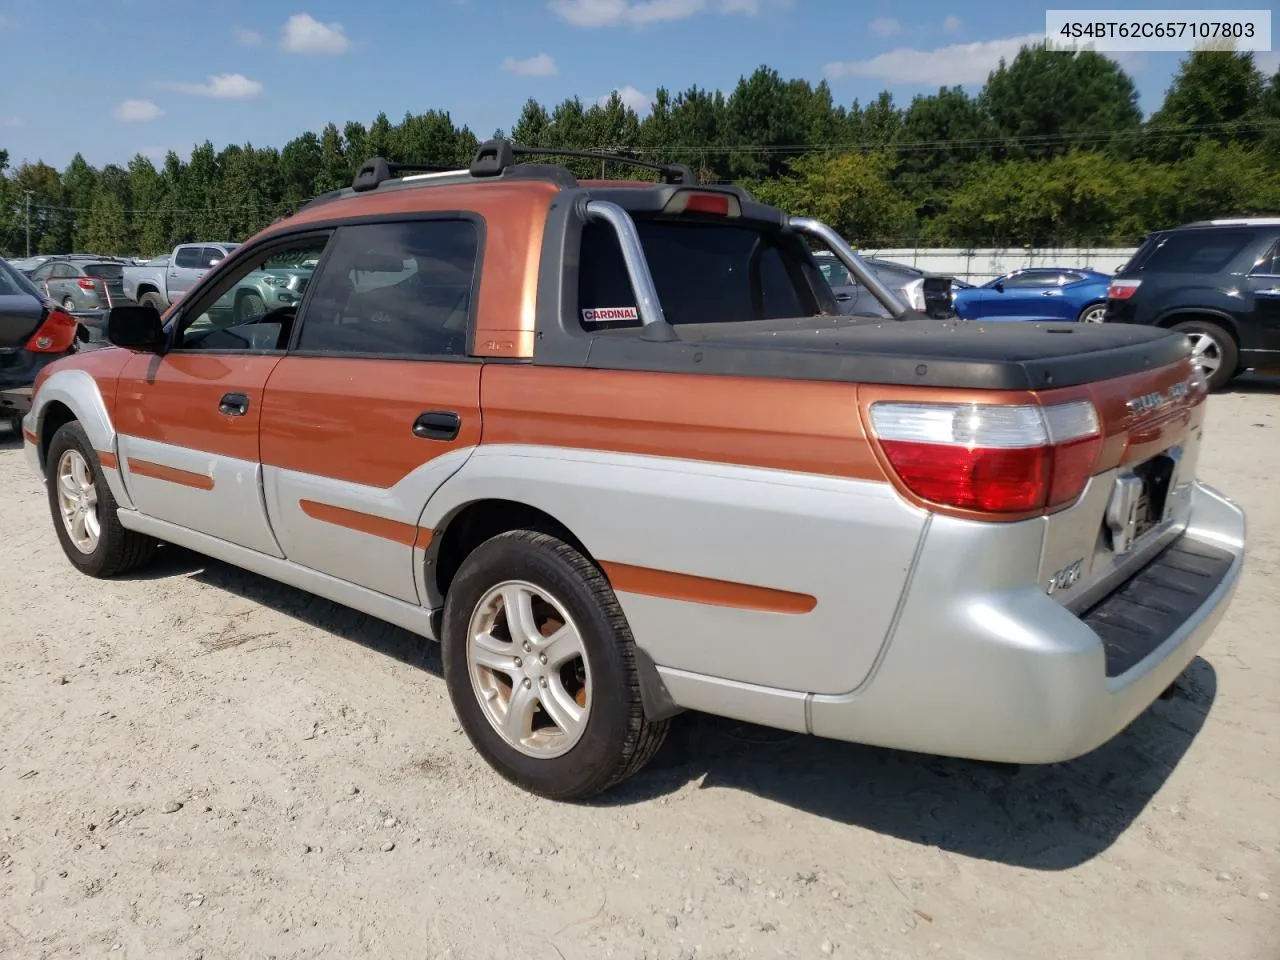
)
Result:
{"points": [[187, 257], [1268, 264], [395, 290], [1194, 251], [704, 273]]}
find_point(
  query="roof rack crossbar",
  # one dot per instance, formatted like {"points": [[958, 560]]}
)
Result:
{"points": [[495, 156], [373, 173]]}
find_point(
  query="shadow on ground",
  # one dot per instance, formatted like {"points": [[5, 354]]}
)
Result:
{"points": [[1254, 383], [1042, 818]]}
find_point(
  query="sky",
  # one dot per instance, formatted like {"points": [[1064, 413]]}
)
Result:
{"points": [[113, 78]]}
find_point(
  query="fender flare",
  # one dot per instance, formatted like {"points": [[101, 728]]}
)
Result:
{"points": [[78, 391]]}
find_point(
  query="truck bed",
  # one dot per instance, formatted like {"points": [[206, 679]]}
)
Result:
{"points": [[929, 353]]}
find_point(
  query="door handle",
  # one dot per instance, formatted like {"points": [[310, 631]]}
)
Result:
{"points": [[844, 296], [437, 425], [234, 404]]}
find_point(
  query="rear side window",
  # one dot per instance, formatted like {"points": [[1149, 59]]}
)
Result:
{"points": [[1192, 251], [187, 257], [395, 289], [704, 273], [1268, 264]]}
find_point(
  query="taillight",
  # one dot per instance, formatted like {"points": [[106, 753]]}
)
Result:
{"points": [[1122, 289], [990, 458], [87, 283], [705, 202], [56, 334]]}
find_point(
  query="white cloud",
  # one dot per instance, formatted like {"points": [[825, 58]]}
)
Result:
{"points": [[885, 26], [10, 121], [303, 33], [1129, 61], [951, 24], [136, 111], [1268, 61], [638, 13], [631, 97], [959, 63], [541, 65], [246, 37], [224, 86]]}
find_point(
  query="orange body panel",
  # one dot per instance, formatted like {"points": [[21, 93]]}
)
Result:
{"points": [[158, 471], [403, 533], [721, 593], [108, 460], [353, 419], [514, 215], [779, 424], [175, 400], [103, 365], [30, 437]]}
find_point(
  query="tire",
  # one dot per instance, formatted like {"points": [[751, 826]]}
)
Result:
{"points": [[1217, 349], [614, 740], [153, 300], [115, 549], [250, 305], [68, 304], [1093, 313]]}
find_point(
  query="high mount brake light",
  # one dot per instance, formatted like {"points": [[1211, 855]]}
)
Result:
{"points": [[1122, 289], [990, 458], [704, 202], [56, 334]]}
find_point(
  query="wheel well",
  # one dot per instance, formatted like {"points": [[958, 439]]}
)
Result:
{"points": [[144, 288], [1188, 315], [482, 520], [56, 415]]}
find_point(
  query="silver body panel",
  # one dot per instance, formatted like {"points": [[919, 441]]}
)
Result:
{"points": [[928, 633]]}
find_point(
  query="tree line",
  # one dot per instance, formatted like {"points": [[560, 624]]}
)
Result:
{"points": [[1053, 150]]}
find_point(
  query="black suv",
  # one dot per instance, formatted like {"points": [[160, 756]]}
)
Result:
{"points": [[1218, 281]]}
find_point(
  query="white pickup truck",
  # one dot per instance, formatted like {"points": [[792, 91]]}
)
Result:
{"points": [[161, 281]]}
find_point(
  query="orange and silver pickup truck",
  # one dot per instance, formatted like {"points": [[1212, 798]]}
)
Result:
{"points": [[613, 445]]}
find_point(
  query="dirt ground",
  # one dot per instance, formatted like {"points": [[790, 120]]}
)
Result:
{"points": [[331, 807]]}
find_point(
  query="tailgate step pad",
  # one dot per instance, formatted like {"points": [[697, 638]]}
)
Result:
{"points": [[1141, 615]]}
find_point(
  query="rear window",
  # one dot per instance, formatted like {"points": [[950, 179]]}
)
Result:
{"points": [[704, 273], [1191, 251], [108, 271]]}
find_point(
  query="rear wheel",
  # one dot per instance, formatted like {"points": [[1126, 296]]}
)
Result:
{"points": [[153, 300], [84, 511], [68, 304], [540, 666], [1213, 349], [1094, 313]]}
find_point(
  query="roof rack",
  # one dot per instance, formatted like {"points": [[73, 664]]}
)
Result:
{"points": [[495, 156], [373, 172]]}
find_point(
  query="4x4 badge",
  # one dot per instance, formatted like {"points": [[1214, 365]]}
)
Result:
{"points": [[1151, 402]]}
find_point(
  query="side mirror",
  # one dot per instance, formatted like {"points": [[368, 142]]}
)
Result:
{"points": [[135, 328], [999, 286]]}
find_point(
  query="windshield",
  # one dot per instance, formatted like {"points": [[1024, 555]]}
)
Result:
{"points": [[108, 271], [704, 273]]}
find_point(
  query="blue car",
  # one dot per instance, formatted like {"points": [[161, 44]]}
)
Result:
{"points": [[1038, 293]]}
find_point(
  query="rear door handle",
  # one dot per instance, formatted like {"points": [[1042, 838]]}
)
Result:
{"points": [[844, 296], [437, 425], [234, 404]]}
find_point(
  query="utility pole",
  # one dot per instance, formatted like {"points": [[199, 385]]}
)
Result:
{"points": [[28, 193]]}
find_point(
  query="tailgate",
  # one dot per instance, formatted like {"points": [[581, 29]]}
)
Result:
{"points": [[937, 297], [1138, 500], [20, 316]]}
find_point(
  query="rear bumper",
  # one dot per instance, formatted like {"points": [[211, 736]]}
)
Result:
{"points": [[1013, 676], [14, 401]]}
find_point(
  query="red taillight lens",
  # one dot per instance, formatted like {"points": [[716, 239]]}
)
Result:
{"points": [[56, 334], [990, 458], [87, 283], [1122, 289], [705, 202]]}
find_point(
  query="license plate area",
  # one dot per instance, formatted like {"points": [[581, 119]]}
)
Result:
{"points": [[1140, 501]]}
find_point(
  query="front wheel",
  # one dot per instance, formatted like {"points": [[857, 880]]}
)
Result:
{"points": [[1094, 313], [84, 510], [540, 665], [1213, 349], [250, 305]]}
